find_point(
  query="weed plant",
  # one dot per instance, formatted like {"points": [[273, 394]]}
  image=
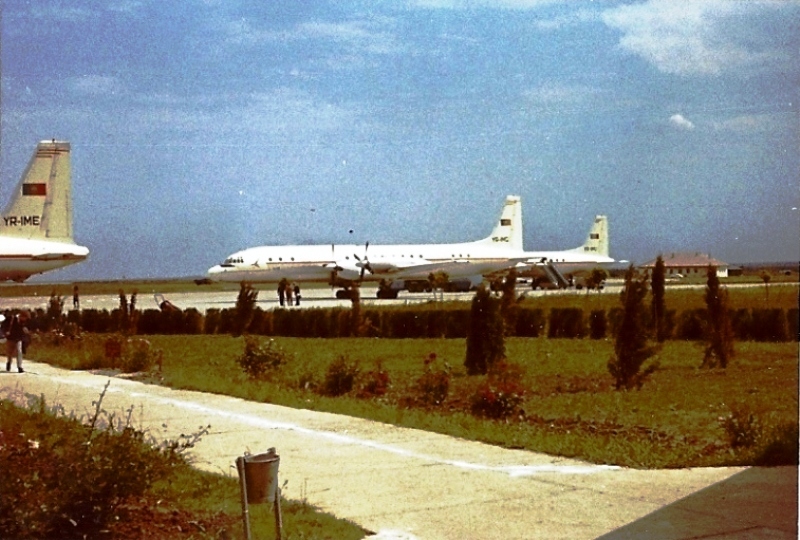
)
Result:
{"points": [[108, 463], [340, 377], [261, 360], [99, 477]]}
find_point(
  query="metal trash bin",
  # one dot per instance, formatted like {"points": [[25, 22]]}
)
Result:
{"points": [[261, 476]]}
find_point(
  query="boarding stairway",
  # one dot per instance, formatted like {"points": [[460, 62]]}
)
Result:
{"points": [[553, 274]]}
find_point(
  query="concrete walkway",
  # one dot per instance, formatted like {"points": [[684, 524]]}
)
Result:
{"points": [[432, 486]]}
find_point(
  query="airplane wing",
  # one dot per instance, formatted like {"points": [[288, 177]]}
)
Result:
{"points": [[421, 269]]}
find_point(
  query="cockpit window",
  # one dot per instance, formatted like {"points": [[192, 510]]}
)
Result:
{"points": [[230, 261]]}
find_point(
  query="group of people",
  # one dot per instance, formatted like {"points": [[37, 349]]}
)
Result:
{"points": [[17, 336], [285, 292]]}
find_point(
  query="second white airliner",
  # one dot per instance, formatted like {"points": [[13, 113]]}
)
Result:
{"points": [[398, 264]]}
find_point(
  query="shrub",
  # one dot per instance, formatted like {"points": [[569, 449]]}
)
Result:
{"points": [[433, 386], [103, 469], [501, 395], [762, 441], [780, 446], [497, 400], [340, 377], [376, 382], [530, 322], [138, 355], [260, 361], [742, 427]]}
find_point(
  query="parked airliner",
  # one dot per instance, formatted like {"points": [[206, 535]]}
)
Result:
{"points": [[36, 226], [397, 265]]}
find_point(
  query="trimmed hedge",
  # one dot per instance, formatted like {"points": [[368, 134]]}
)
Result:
{"points": [[566, 323], [774, 325]]}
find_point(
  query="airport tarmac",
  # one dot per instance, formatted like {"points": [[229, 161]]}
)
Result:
{"points": [[204, 300], [406, 483]]}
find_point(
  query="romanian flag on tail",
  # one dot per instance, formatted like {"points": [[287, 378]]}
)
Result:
{"points": [[39, 190]]}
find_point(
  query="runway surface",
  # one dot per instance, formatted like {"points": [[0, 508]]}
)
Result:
{"points": [[203, 300]]}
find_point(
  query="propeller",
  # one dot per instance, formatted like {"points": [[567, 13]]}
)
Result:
{"points": [[364, 264]]}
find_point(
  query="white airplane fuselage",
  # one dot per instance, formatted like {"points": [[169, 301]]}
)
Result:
{"points": [[21, 258], [318, 263], [349, 264]]}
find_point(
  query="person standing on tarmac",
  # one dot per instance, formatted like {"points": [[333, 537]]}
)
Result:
{"points": [[16, 333], [282, 285]]}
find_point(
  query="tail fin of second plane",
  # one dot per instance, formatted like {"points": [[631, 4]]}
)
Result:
{"points": [[41, 205], [597, 241], [508, 231]]}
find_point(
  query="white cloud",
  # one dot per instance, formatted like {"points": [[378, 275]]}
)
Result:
{"points": [[683, 37], [680, 122]]}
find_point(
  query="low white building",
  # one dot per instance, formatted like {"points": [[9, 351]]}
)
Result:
{"points": [[688, 264]]}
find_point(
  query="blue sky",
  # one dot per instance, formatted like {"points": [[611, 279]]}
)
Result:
{"points": [[202, 127]]}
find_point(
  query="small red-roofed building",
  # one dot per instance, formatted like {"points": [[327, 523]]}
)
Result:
{"points": [[687, 264]]}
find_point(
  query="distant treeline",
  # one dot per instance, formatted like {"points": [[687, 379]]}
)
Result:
{"points": [[417, 322]]}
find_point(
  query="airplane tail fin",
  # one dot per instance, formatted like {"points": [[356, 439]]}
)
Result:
{"points": [[508, 231], [41, 205], [597, 240]]}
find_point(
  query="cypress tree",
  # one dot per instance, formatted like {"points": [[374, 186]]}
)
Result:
{"points": [[631, 347], [719, 331], [485, 340], [658, 304], [245, 307]]}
